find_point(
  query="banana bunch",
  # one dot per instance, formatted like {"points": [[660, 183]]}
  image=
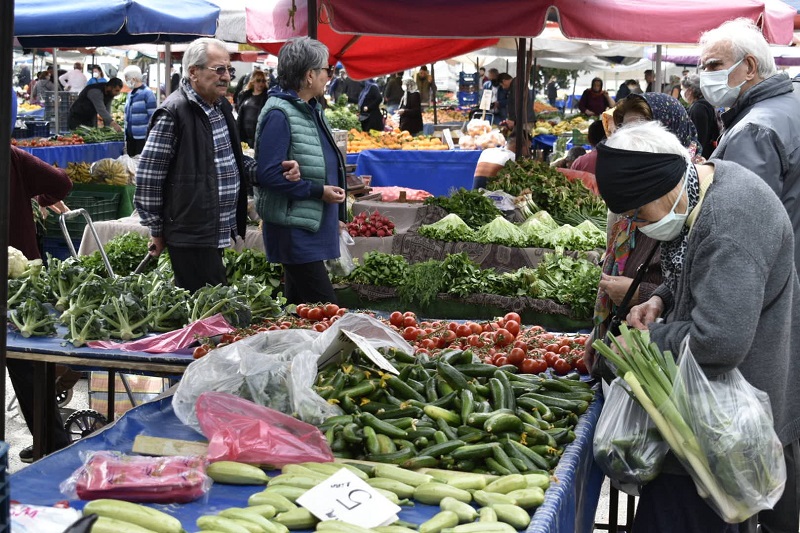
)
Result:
{"points": [[110, 172], [79, 172]]}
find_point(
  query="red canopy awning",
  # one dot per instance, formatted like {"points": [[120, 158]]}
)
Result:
{"points": [[269, 26], [637, 21]]}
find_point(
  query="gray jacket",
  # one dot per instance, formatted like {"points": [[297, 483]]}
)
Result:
{"points": [[762, 133], [738, 296]]}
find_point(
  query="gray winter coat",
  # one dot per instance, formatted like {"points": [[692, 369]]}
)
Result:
{"points": [[762, 133], [738, 296]]}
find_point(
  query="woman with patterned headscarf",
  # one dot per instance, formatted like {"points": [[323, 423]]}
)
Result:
{"points": [[410, 108], [628, 247]]}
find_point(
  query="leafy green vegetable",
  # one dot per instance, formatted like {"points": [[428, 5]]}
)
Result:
{"points": [[87, 298], [377, 268], [86, 327], [423, 283], [342, 116], [208, 301], [473, 207], [501, 231], [259, 298], [125, 315], [568, 281], [450, 228], [168, 304], [33, 319], [65, 278], [463, 276], [254, 263]]}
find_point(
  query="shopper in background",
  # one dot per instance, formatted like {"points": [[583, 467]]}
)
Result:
{"points": [[95, 99], [492, 160], [595, 100], [650, 78], [139, 107], [410, 109], [425, 84], [97, 76], [191, 183], [393, 92], [738, 300], [301, 218], [702, 114], [594, 136], [43, 86], [369, 107], [251, 100], [75, 80], [552, 91]]}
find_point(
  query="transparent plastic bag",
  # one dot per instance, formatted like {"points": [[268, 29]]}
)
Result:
{"points": [[343, 265], [733, 426], [239, 430], [627, 446], [133, 478]]}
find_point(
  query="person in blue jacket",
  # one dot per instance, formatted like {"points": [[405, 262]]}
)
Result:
{"points": [[139, 107]]}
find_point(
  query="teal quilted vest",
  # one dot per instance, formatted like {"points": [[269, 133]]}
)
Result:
{"points": [[305, 147]]}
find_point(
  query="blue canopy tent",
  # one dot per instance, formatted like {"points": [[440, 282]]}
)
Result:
{"points": [[81, 23]]}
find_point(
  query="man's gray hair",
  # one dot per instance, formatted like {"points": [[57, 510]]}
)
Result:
{"points": [[744, 38], [648, 136], [298, 56], [196, 53], [132, 72], [692, 84]]}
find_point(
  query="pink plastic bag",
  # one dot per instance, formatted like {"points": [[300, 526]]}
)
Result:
{"points": [[171, 341], [239, 430]]}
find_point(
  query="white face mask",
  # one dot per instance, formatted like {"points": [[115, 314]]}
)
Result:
{"points": [[685, 95], [131, 84], [95, 74], [670, 226], [715, 88]]}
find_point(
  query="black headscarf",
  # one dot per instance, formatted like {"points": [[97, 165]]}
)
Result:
{"points": [[628, 179]]}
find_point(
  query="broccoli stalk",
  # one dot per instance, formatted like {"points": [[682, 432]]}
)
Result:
{"points": [[66, 277], [33, 319], [208, 301], [84, 328], [169, 305], [125, 316], [89, 296]]}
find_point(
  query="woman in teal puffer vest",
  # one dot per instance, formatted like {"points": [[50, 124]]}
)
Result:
{"points": [[301, 218]]}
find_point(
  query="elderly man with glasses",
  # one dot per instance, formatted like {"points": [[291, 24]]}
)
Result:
{"points": [[192, 178]]}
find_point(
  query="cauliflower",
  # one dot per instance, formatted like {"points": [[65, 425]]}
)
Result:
{"points": [[17, 262]]}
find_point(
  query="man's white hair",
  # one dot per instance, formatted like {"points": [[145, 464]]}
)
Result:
{"points": [[132, 72], [196, 53], [744, 38], [648, 136]]}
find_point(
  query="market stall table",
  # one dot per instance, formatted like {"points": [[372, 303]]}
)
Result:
{"points": [[76, 153], [435, 171], [46, 352], [569, 504]]}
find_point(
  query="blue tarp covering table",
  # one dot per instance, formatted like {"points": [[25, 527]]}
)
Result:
{"points": [[569, 505], [352, 159], [539, 142], [435, 171], [77, 153]]}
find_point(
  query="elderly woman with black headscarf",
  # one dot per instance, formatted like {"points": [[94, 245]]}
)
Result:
{"points": [[369, 106], [301, 218], [595, 100], [736, 295], [410, 109]]}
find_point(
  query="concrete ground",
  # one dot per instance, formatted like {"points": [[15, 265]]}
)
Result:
{"points": [[18, 437]]}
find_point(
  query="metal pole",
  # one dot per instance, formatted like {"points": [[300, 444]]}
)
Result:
{"points": [[520, 85], [312, 19], [433, 95], [6, 51], [659, 75], [158, 77], [167, 69], [56, 94]]}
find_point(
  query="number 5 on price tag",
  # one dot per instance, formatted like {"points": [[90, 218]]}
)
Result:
{"points": [[345, 497]]}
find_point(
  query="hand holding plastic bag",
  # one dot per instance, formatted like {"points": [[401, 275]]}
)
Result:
{"points": [[343, 265], [627, 446], [239, 430], [732, 423]]}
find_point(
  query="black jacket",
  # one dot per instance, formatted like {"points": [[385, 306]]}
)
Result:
{"points": [[83, 112], [191, 195], [249, 108], [704, 117]]}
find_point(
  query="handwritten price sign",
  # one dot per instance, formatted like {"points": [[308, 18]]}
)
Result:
{"points": [[345, 497]]}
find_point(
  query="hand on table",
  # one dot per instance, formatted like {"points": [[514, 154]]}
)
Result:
{"points": [[116, 127], [642, 315], [332, 194], [616, 287], [291, 170]]}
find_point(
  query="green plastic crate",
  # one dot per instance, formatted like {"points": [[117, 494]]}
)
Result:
{"points": [[99, 205]]}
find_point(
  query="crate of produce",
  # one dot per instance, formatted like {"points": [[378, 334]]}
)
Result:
{"points": [[56, 246], [99, 205], [38, 128], [21, 133], [467, 77], [466, 99]]}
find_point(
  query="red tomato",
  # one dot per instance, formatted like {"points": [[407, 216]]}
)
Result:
{"points": [[552, 347], [226, 338], [513, 316], [487, 337], [410, 333], [315, 314], [475, 327], [522, 345], [516, 356], [513, 327], [425, 325], [452, 326], [422, 351], [463, 330], [200, 351], [428, 343], [581, 340], [396, 319], [449, 336], [475, 341], [320, 326], [550, 358], [565, 341], [580, 365], [533, 366], [500, 322], [409, 320], [503, 337], [500, 361], [273, 328], [302, 311], [563, 350], [427, 331], [561, 367], [410, 313]]}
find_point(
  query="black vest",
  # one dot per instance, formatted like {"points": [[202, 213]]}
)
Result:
{"points": [[191, 196], [83, 111]]}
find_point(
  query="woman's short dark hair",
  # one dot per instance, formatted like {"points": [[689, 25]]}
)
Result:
{"points": [[632, 103], [596, 132], [298, 56]]}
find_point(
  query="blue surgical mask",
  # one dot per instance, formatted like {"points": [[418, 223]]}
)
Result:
{"points": [[670, 226], [715, 88]]}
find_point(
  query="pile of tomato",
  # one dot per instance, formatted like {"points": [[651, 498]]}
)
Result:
{"points": [[44, 142]]}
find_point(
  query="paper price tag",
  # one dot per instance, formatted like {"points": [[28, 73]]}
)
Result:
{"points": [[486, 100], [346, 497], [448, 138], [345, 343]]}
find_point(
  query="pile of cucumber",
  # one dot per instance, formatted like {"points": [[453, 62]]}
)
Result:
{"points": [[452, 412]]}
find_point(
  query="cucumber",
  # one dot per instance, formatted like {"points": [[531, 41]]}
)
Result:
{"points": [[381, 426], [485, 499], [385, 444], [279, 502], [474, 451], [217, 523], [529, 498], [238, 513], [300, 518], [234, 473], [576, 406], [403, 389], [467, 403], [438, 413], [104, 524], [487, 514], [452, 377], [512, 515], [401, 489], [501, 422], [499, 455], [404, 476], [476, 370], [437, 450], [433, 493], [508, 399], [464, 511], [439, 521], [140, 515], [507, 484], [395, 458], [421, 461], [535, 406], [482, 527]]}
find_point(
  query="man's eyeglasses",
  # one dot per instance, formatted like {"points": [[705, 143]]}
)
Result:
{"points": [[221, 70], [329, 70]]}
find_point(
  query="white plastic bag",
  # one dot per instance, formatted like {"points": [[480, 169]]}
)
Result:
{"points": [[343, 265], [732, 422], [627, 446]]}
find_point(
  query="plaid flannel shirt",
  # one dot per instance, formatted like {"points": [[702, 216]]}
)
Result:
{"points": [[154, 165]]}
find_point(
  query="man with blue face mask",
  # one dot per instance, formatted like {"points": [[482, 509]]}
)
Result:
{"points": [[761, 128]]}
